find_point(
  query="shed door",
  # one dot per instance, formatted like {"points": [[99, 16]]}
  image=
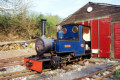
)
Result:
{"points": [[94, 28], [104, 37], [94, 35], [117, 39]]}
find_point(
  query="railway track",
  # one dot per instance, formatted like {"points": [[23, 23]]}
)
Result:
{"points": [[16, 42], [11, 62], [19, 74], [15, 74], [95, 75], [30, 72]]}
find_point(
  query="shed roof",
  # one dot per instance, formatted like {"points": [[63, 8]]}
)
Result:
{"points": [[99, 10]]}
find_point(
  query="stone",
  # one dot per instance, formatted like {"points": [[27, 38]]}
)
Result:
{"points": [[79, 69], [87, 78], [95, 76], [86, 63]]}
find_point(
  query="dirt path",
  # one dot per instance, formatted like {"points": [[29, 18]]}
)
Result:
{"points": [[16, 53]]}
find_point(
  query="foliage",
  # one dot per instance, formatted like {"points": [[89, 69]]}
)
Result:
{"points": [[28, 26], [4, 22], [18, 21], [117, 74], [51, 28]]}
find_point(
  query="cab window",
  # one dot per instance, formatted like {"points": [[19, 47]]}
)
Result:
{"points": [[64, 30], [74, 29]]}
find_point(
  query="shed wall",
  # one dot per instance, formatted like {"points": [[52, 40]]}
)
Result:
{"points": [[90, 19]]}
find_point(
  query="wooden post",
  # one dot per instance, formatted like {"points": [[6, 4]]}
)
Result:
{"points": [[112, 41]]}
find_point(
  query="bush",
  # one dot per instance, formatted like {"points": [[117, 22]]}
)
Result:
{"points": [[28, 27]]}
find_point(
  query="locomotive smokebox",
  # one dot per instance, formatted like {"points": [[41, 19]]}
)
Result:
{"points": [[43, 44]]}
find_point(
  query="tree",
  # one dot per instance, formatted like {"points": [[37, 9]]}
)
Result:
{"points": [[19, 22], [51, 28]]}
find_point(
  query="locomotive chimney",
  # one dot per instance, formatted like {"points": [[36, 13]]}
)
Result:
{"points": [[43, 21]]}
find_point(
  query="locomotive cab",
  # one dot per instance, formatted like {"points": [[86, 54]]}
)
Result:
{"points": [[87, 39], [75, 39]]}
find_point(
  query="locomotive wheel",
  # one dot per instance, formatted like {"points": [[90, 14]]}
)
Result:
{"points": [[53, 62]]}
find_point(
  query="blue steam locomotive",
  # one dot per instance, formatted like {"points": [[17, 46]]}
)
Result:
{"points": [[73, 43]]}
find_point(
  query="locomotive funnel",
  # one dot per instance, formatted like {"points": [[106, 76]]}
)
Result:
{"points": [[43, 21], [43, 44]]}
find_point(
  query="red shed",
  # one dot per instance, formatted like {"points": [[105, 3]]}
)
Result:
{"points": [[104, 20]]}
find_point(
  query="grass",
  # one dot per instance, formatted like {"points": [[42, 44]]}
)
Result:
{"points": [[116, 74]]}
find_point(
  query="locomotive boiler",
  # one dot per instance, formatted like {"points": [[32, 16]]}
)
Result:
{"points": [[73, 43]]}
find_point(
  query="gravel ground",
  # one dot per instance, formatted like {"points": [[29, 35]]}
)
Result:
{"points": [[75, 71], [13, 69]]}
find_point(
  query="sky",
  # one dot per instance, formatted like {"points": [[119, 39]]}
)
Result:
{"points": [[63, 8]]}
